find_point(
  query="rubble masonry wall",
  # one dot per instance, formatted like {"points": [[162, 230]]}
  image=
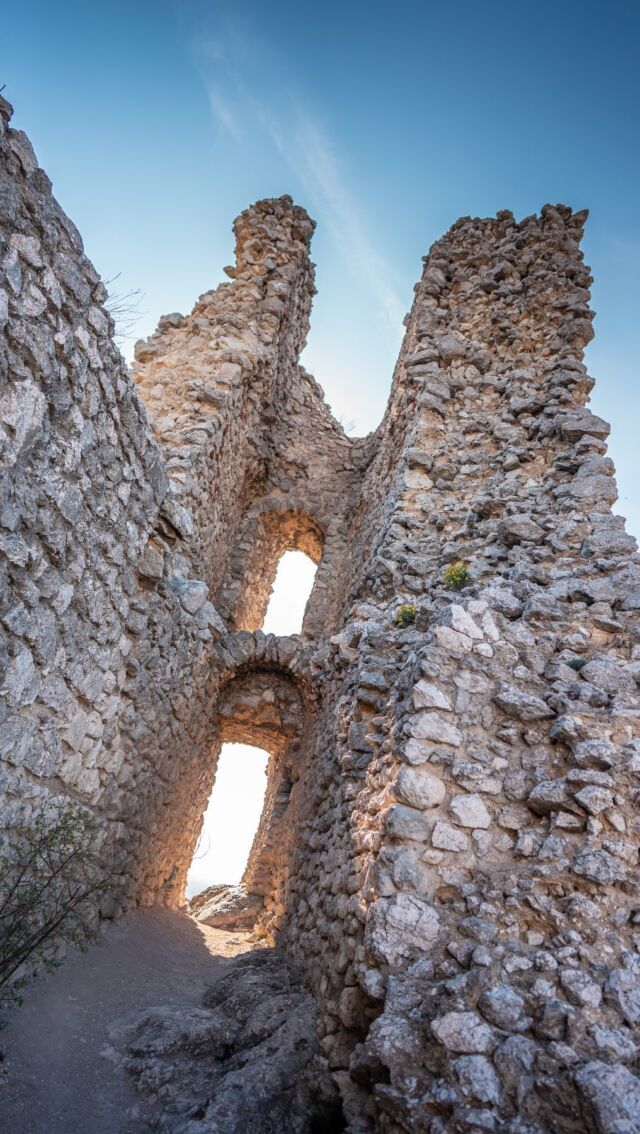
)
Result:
{"points": [[449, 849]]}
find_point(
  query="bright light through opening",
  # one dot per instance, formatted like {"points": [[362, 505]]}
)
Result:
{"points": [[231, 819], [236, 801], [291, 589]]}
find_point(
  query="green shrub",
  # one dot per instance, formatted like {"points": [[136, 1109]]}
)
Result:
{"points": [[406, 614], [577, 663], [456, 575], [49, 886]]}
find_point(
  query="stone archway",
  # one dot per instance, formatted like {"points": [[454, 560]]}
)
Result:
{"points": [[266, 709], [260, 695], [220, 704], [267, 532]]}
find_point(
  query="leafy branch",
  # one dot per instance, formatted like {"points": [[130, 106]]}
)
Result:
{"points": [[50, 883]]}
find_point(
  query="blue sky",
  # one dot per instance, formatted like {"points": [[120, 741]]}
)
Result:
{"points": [[159, 121]]}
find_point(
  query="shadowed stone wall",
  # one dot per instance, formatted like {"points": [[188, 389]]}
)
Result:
{"points": [[448, 852]]}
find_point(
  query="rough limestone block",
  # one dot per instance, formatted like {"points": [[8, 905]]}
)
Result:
{"points": [[446, 837], [427, 696], [406, 823], [470, 811], [419, 788], [432, 726], [461, 621], [464, 1032], [521, 705], [398, 926]]}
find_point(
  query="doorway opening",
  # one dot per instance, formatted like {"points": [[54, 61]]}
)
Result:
{"points": [[290, 593], [231, 819]]}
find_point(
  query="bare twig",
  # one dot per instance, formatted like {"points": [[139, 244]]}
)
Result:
{"points": [[124, 308]]}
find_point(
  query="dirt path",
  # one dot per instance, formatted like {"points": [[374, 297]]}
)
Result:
{"points": [[57, 1081]]}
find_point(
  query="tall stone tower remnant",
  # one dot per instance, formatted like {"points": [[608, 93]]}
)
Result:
{"points": [[448, 853]]}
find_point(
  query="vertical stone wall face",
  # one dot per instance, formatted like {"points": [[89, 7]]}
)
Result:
{"points": [[83, 484], [448, 851], [495, 832]]}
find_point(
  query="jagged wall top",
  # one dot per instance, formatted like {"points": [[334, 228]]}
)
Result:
{"points": [[450, 853]]}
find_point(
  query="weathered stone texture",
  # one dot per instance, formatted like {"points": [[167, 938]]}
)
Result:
{"points": [[449, 848], [248, 1060]]}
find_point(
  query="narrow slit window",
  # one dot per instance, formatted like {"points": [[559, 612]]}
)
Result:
{"points": [[231, 819], [290, 594]]}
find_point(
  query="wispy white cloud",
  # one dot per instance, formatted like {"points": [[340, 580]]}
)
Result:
{"points": [[312, 157], [310, 154], [224, 112]]}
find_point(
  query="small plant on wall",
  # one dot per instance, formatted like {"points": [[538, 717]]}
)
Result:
{"points": [[49, 887], [456, 575], [406, 614]]}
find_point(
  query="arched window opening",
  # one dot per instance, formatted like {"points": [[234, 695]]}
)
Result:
{"points": [[290, 593], [231, 818], [270, 539]]}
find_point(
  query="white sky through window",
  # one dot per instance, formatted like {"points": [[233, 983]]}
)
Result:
{"points": [[236, 801], [231, 818], [291, 589]]}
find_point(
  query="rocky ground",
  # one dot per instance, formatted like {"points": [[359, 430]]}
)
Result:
{"points": [[248, 1060], [226, 907], [62, 1071]]}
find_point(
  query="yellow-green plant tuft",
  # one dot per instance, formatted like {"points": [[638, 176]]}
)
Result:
{"points": [[406, 614], [456, 575]]}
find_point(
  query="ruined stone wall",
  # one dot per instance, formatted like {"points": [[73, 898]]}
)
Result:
{"points": [[314, 479], [84, 487], [473, 826], [109, 683], [212, 381], [449, 847]]}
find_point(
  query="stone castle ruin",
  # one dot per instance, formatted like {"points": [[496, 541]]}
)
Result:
{"points": [[448, 853]]}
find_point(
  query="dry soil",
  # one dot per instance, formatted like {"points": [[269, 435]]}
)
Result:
{"points": [[57, 1077]]}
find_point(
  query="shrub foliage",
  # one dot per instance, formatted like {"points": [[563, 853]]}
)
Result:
{"points": [[406, 614], [456, 575], [49, 886]]}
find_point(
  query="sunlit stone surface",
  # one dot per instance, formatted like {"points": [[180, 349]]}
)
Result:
{"points": [[469, 935]]}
